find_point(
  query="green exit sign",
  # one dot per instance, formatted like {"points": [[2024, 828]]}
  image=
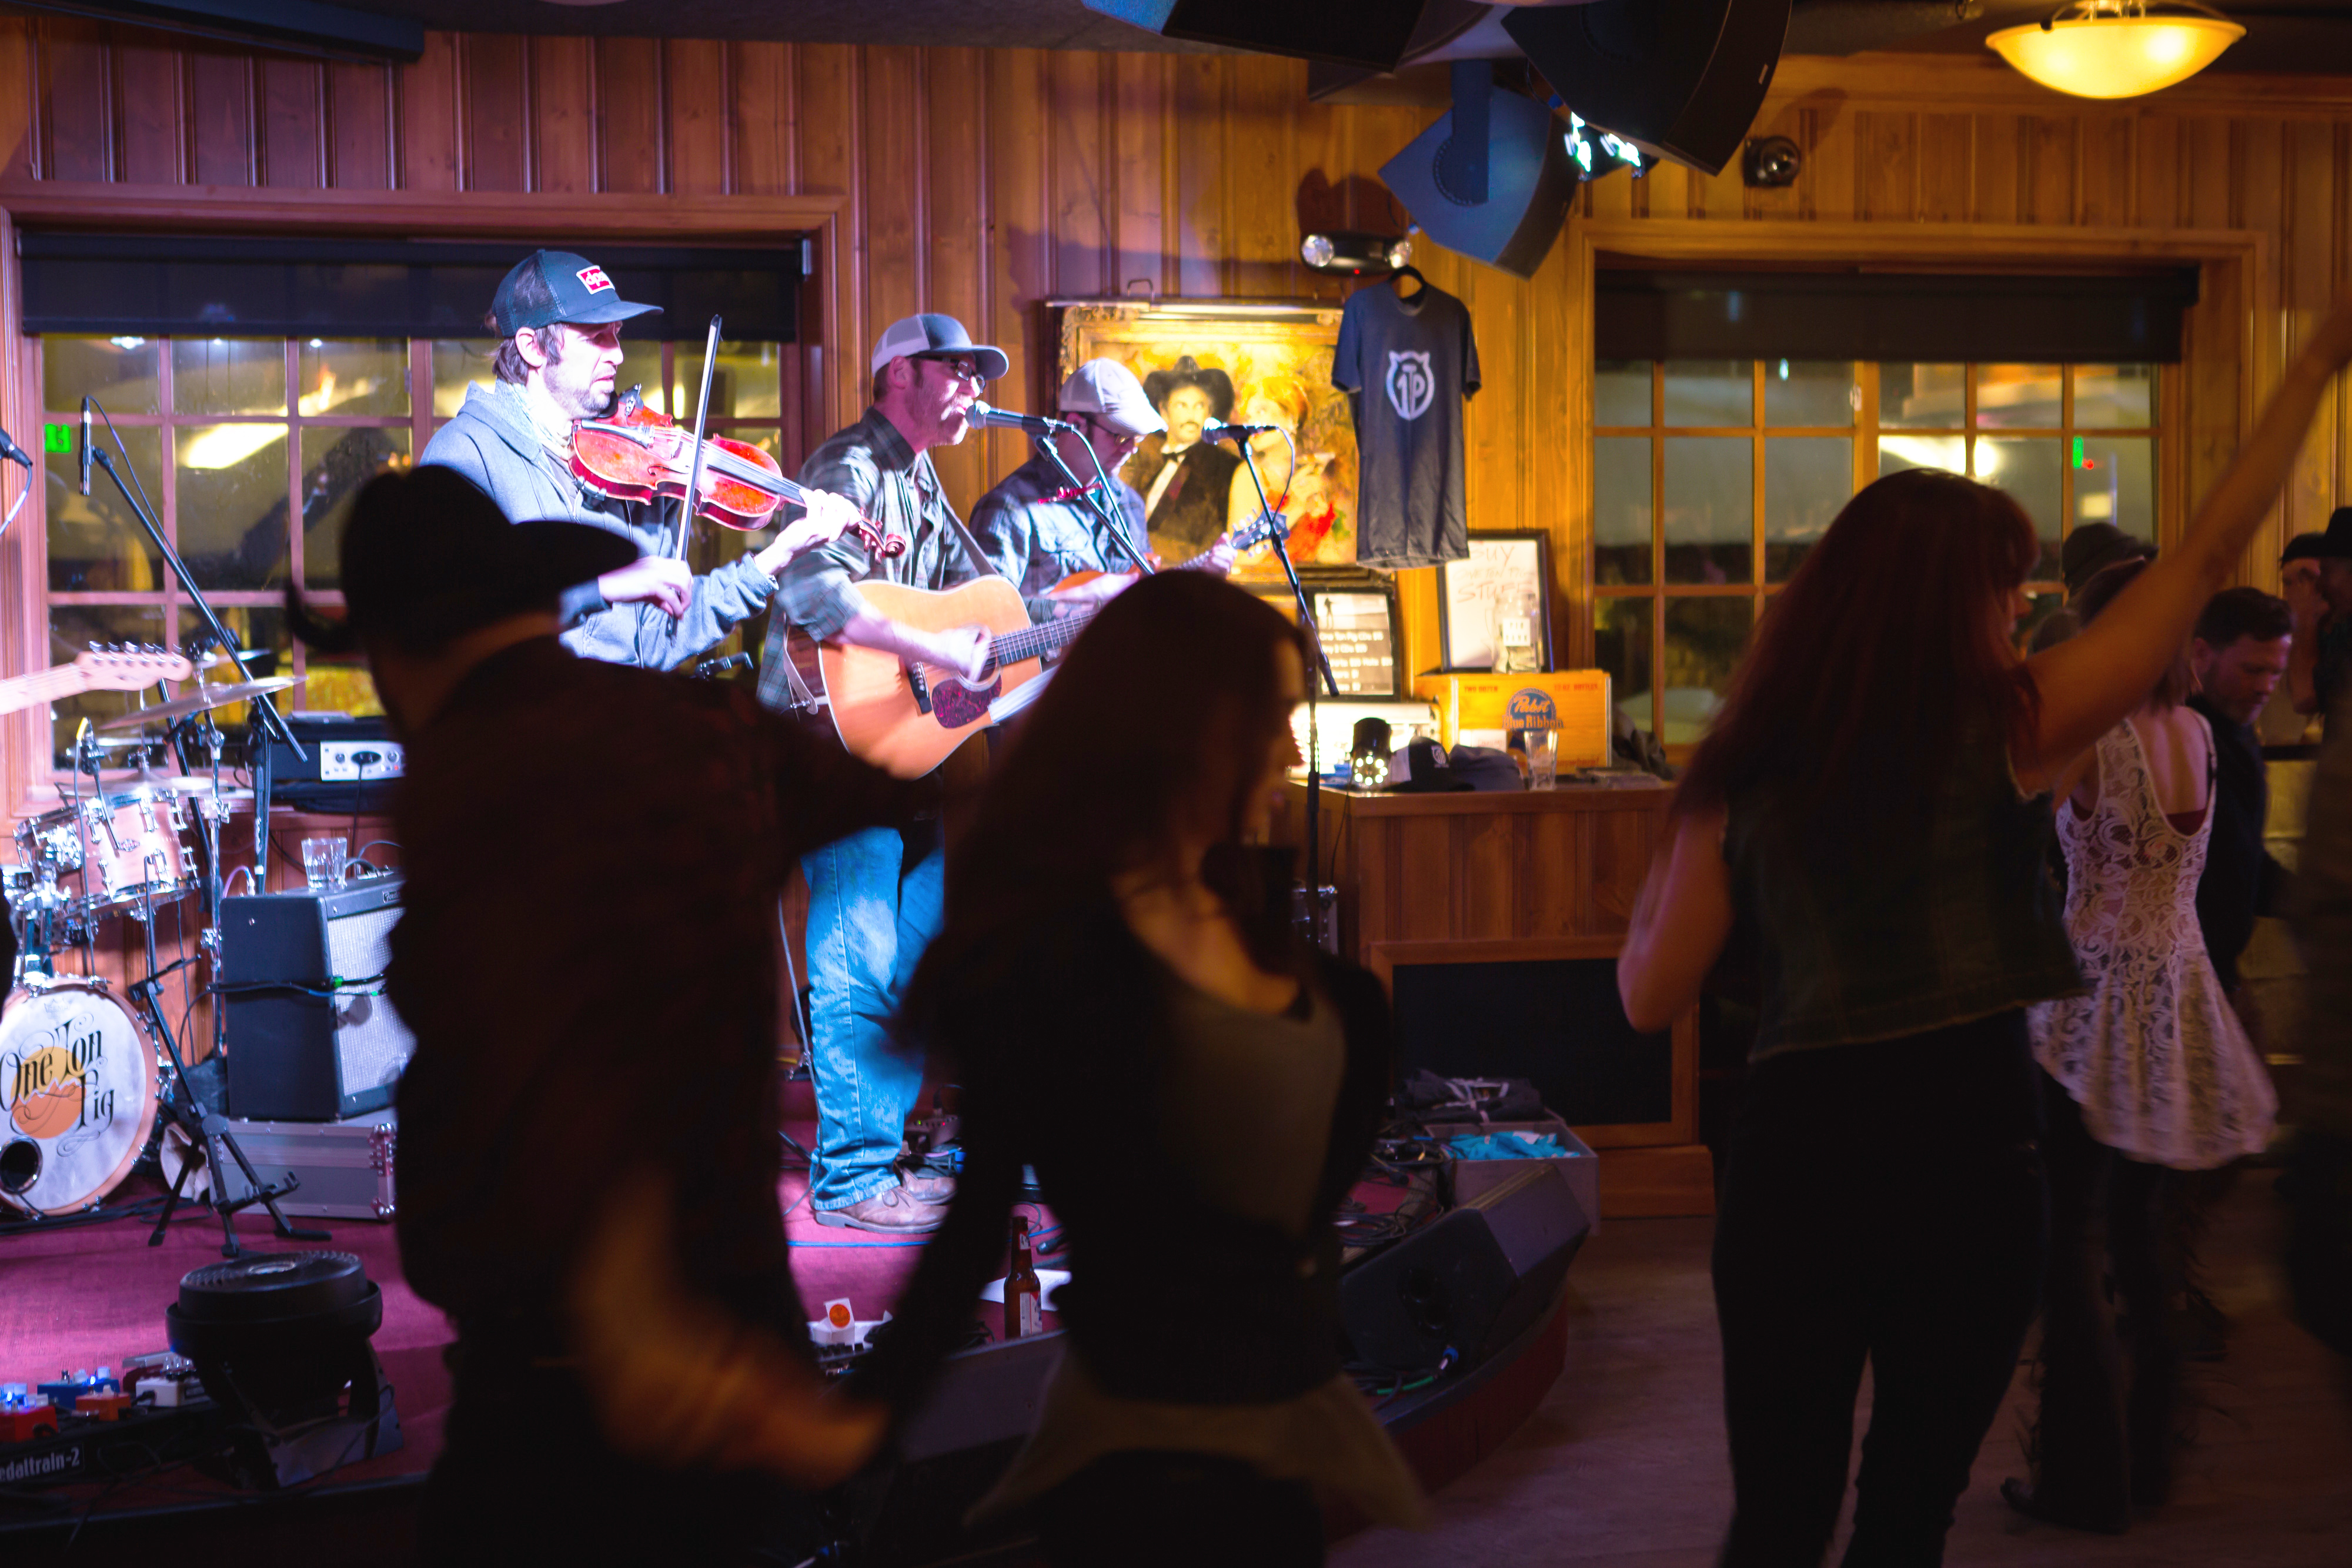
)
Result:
{"points": [[57, 438]]}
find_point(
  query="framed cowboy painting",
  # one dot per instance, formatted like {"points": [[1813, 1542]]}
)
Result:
{"points": [[1239, 363]]}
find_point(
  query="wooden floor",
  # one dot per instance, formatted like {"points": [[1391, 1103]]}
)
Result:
{"points": [[1624, 1466]]}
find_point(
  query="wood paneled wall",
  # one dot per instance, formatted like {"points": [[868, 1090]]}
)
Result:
{"points": [[984, 182]]}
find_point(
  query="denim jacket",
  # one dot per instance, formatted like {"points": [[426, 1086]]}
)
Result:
{"points": [[1919, 931]]}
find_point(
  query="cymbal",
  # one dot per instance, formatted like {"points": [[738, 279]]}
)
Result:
{"points": [[197, 701]]}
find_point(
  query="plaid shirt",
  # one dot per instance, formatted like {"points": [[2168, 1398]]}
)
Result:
{"points": [[872, 466], [1035, 532]]}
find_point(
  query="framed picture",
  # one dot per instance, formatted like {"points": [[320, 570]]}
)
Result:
{"points": [[1241, 363], [1500, 595], [1357, 615]]}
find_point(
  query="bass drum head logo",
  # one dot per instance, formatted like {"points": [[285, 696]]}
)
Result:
{"points": [[1411, 382], [594, 279], [1531, 707]]}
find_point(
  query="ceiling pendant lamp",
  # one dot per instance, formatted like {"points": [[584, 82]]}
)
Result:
{"points": [[2117, 48]]}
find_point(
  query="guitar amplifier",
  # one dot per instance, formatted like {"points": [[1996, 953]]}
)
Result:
{"points": [[351, 763], [310, 1036]]}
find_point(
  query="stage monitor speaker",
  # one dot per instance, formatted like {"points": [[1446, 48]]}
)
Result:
{"points": [[1469, 1282], [310, 1035], [1528, 181], [1682, 79], [1373, 34]]}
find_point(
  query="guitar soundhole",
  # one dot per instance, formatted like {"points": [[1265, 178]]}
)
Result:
{"points": [[956, 705]]}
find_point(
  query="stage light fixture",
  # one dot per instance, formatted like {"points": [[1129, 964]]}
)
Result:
{"points": [[1354, 253], [2117, 48]]}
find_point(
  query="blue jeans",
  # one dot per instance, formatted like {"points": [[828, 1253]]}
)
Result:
{"points": [[872, 910]]}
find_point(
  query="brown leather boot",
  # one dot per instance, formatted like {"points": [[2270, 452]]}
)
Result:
{"points": [[893, 1211]]}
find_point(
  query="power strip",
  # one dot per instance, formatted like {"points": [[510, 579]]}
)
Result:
{"points": [[350, 761]]}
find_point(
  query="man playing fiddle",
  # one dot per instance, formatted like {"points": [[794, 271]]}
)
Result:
{"points": [[559, 318]]}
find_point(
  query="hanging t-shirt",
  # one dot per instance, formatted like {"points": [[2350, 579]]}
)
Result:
{"points": [[1410, 363]]}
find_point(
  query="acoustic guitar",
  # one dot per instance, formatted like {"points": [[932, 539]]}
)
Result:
{"points": [[99, 670], [905, 718]]}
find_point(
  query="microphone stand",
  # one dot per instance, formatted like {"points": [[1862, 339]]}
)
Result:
{"points": [[207, 1129], [1099, 504], [1279, 538]]}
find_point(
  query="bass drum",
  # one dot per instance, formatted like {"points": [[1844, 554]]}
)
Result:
{"points": [[76, 1094]]}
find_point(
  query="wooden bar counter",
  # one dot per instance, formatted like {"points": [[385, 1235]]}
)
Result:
{"points": [[1495, 918]]}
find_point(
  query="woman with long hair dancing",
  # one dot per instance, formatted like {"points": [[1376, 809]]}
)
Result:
{"points": [[1869, 814], [1129, 1012]]}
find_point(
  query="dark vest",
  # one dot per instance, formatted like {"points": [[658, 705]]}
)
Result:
{"points": [[1932, 925]]}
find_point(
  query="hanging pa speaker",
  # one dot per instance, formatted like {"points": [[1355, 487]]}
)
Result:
{"points": [[1528, 179], [1682, 79]]}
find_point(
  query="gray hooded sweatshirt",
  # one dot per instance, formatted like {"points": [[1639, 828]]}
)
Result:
{"points": [[495, 442]]}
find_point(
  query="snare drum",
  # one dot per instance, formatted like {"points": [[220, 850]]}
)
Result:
{"points": [[127, 847], [76, 1094]]}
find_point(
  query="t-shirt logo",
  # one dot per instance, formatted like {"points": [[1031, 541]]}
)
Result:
{"points": [[594, 277], [1411, 383]]}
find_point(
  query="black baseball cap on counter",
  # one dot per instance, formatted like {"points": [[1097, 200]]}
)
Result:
{"points": [[551, 286]]}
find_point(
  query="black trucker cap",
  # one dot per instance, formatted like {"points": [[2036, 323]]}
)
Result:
{"points": [[551, 286]]}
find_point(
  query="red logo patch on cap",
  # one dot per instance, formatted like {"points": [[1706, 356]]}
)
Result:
{"points": [[594, 278]]}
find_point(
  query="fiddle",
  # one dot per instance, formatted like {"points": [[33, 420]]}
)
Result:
{"points": [[635, 454]]}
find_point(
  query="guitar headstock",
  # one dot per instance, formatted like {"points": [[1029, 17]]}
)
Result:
{"points": [[127, 667], [1268, 524]]}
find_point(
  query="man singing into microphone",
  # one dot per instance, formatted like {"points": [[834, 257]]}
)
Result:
{"points": [[559, 318], [874, 896], [1038, 527]]}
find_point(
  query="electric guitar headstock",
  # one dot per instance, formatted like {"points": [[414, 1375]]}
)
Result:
{"points": [[127, 667]]}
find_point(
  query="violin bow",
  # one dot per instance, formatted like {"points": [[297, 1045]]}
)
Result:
{"points": [[701, 417]]}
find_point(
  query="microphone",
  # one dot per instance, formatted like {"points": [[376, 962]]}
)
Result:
{"points": [[12, 453], [1218, 430], [85, 446], [987, 418]]}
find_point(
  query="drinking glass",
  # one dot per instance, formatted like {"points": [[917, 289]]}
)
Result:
{"points": [[323, 862], [1542, 749]]}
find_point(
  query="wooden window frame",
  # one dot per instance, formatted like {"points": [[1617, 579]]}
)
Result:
{"points": [[2206, 402], [1863, 434], [815, 401]]}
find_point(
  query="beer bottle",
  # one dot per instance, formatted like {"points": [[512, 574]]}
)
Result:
{"points": [[1023, 1295]]}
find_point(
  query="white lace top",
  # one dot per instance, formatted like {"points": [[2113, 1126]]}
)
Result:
{"points": [[2153, 1054]]}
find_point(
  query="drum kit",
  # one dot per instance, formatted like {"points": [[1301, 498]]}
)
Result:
{"points": [[90, 1081]]}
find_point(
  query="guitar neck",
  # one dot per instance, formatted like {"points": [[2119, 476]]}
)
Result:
{"points": [[1037, 641], [19, 692]]}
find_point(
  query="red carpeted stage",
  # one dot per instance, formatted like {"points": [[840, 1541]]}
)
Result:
{"points": [[81, 1296]]}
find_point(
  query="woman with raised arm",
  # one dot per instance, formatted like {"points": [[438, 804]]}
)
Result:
{"points": [[1869, 814], [1130, 1013]]}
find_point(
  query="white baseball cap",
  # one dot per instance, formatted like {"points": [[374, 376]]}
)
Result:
{"points": [[930, 334], [1109, 391]]}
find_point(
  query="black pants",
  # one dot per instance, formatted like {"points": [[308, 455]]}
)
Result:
{"points": [[1882, 1203], [1178, 1511], [2105, 1436], [525, 1475]]}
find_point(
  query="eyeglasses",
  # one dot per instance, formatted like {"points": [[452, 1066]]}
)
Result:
{"points": [[962, 367]]}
